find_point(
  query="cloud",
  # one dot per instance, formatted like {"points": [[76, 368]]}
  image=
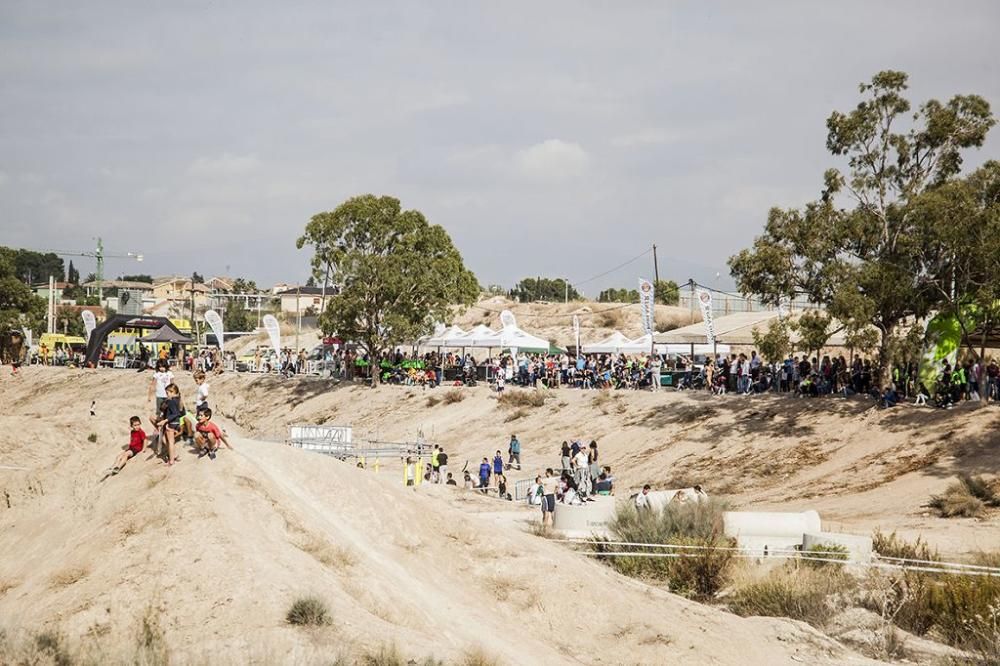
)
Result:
{"points": [[224, 165], [553, 160], [645, 137], [3, 178]]}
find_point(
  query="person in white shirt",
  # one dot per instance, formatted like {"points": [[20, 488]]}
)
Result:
{"points": [[201, 399], [581, 464]]}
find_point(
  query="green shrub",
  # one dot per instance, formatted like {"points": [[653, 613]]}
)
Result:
{"points": [[700, 571], [805, 594], [92, 437], [817, 556], [308, 611], [894, 547]]}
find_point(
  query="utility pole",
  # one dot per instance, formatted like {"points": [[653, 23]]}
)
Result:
{"points": [[656, 266], [100, 271], [691, 303], [565, 290], [298, 313], [192, 303]]}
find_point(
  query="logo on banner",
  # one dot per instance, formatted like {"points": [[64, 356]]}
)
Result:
{"points": [[705, 300], [646, 305], [215, 321], [273, 332]]}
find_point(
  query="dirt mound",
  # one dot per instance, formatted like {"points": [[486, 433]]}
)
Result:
{"points": [[217, 551]]}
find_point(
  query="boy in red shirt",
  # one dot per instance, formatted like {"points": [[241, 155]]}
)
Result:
{"points": [[209, 435], [136, 441]]}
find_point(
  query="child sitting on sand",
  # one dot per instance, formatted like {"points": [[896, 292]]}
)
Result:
{"points": [[209, 435], [136, 441], [170, 420]]}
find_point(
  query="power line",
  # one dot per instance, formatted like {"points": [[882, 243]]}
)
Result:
{"points": [[612, 270]]}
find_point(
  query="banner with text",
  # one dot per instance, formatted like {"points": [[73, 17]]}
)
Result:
{"points": [[646, 305], [705, 300]]}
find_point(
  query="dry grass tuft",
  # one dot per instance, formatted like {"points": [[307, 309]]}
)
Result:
{"points": [[92, 437], [8, 585], [453, 396], [526, 398], [335, 557], [433, 400], [477, 656], [308, 611], [891, 546], [67, 577], [518, 413], [968, 498]]}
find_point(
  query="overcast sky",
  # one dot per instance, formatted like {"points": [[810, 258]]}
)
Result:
{"points": [[559, 139]]}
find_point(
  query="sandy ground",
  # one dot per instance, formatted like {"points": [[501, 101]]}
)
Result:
{"points": [[218, 550], [862, 468]]}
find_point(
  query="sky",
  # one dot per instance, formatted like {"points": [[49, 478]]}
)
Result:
{"points": [[559, 139]]}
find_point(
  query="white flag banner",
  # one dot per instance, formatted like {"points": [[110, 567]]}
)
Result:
{"points": [[705, 300], [89, 322], [273, 332], [576, 333], [646, 305], [215, 321], [507, 319], [783, 308]]}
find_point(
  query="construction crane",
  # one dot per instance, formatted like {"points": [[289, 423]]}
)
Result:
{"points": [[100, 255]]}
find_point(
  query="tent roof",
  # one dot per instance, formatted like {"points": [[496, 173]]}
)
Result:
{"points": [[445, 338], [515, 337], [165, 334], [613, 344], [480, 336]]}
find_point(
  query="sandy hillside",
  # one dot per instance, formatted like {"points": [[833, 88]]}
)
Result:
{"points": [[861, 467], [554, 321], [216, 551]]}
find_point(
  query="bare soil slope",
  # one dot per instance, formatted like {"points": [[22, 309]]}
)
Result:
{"points": [[217, 550], [862, 468]]}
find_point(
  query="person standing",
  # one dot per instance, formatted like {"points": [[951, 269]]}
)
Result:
{"points": [[582, 470], [442, 459], [566, 463], [484, 475], [497, 466], [549, 485], [514, 452]]}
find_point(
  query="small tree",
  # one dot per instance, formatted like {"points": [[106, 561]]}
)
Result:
{"points": [[813, 328], [666, 292], [544, 289], [398, 273], [775, 343]]}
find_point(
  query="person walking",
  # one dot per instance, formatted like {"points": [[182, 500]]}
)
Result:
{"points": [[514, 452]]}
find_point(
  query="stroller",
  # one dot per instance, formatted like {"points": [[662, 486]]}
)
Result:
{"points": [[469, 376]]}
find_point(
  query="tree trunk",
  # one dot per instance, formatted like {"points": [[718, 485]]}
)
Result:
{"points": [[884, 363]]}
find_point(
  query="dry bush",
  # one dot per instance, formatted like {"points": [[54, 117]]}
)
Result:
{"points": [[7, 585], [335, 557], [518, 413], [967, 497], [453, 396], [477, 656], [308, 611], [522, 398], [433, 400], [611, 318], [389, 655], [804, 594], [92, 437], [150, 643], [667, 322], [67, 577]]}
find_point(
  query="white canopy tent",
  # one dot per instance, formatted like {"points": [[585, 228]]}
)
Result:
{"points": [[481, 337], [616, 343], [446, 338], [515, 337]]}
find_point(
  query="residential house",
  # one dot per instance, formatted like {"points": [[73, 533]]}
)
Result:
{"points": [[301, 299]]}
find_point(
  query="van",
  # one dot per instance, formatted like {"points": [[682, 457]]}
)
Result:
{"points": [[54, 341]]}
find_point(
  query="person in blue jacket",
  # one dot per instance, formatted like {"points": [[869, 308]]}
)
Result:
{"points": [[515, 452], [484, 475], [497, 465]]}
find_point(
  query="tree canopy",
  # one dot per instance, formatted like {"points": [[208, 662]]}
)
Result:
{"points": [[544, 289], [665, 292], [33, 267], [858, 249], [19, 307], [397, 273]]}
